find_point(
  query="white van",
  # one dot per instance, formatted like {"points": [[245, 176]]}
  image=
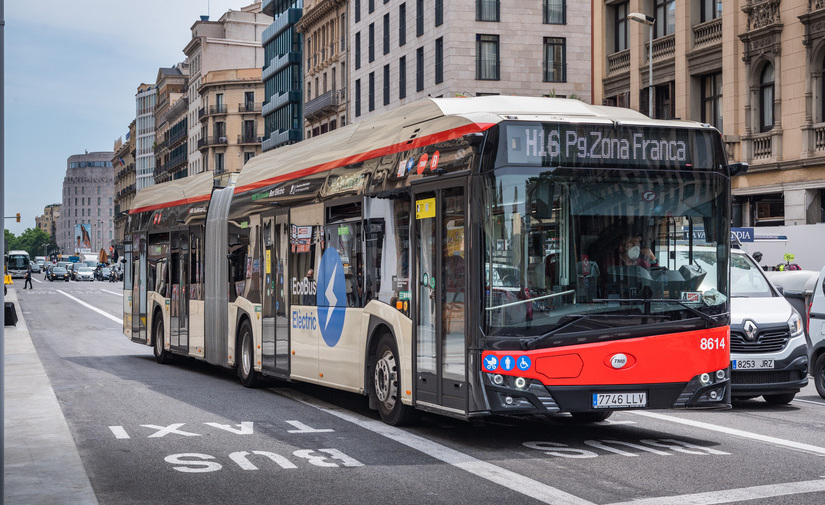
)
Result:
{"points": [[816, 332], [768, 350]]}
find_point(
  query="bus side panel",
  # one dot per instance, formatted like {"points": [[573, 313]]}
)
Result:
{"points": [[196, 338], [238, 309], [341, 362], [670, 358], [402, 329], [231, 333], [304, 335], [154, 299]]}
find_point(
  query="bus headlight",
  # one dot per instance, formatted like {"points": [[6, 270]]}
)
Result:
{"points": [[704, 379], [720, 375], [521, 382], [498, 380]]}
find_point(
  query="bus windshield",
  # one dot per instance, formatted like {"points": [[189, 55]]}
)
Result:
{"points": [[586, 250]]}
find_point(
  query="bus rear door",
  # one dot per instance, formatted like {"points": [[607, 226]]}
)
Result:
{"points": [[275, 348]]}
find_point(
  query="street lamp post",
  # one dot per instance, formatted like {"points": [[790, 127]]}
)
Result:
{"points": [[647, 20]]}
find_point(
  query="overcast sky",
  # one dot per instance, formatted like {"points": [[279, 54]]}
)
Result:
{"points": [[72, 69]]}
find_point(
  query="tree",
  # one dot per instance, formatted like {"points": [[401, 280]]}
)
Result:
{"points": [[32, 241]]}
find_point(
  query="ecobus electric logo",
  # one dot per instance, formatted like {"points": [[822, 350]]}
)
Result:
{"points": [[331, 296]]}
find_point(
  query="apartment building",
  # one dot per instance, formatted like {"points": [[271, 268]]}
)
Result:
{"points": [[170, 123], [87, 208], [48, 220], [753, 69], [282, 75], [145, 101], [401, 51], [324, 27], [232, 127], [234, 41], [125, 185]]}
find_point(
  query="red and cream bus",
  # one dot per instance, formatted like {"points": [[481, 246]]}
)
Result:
{"points": [[458, 256]]}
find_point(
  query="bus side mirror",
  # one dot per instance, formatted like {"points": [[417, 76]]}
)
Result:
{"points": [[737, 169]]}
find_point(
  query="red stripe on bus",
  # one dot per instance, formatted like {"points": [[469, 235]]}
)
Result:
{"points": [[674, 357], [435, 138], [185, 201]]}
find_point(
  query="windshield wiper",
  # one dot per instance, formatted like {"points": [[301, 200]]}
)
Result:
{"points": [[707, 318], [531, 343]]}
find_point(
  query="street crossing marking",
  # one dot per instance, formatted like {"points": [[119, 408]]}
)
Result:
{"points": [[81, 302], [736, 495]]}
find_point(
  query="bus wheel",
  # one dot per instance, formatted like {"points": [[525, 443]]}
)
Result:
{"points": [[161, 355], [387, 384], [591, 417], [246, 367]]}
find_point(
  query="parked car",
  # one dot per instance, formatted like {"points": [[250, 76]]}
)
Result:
{"points": [[769, 351], [85, 274], [816, 331], [59, 274]]}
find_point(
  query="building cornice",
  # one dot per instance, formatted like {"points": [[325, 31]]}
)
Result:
{"points": [[317, 13]]}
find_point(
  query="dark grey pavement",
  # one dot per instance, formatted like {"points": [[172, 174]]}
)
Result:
{"points": [[42, 465]]}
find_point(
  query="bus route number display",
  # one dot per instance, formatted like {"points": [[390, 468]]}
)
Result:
{"points": [[596, 145]]}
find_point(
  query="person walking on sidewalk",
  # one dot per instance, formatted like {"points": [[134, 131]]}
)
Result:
{"points": [[28, 279]]}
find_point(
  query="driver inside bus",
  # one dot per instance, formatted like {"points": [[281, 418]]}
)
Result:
{"points": [[632, 253]]}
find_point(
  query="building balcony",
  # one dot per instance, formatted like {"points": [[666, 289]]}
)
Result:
{"points": [[207, 142], [249, 107], [707, 33], [250, 139], [280, 22], [324, 105], [663, 48], [279, 63], [278, 139], [280, 100], [618, 62], [212, 110]]}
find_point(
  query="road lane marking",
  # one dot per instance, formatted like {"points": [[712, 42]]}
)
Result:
{"points": [[496, 474], [81, 302], [790, 444], [821, 404], [112, 292], [736, 495]]}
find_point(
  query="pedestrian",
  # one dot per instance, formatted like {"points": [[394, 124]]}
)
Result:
{"points": [[28, 279]]}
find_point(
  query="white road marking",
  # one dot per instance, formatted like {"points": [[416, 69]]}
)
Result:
{"points": [[112, 292], [81, 302], [735, 495], [790, 444], [482, 469], [821, 404]]}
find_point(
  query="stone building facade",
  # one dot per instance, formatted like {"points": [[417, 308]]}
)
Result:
{"points": [[88, 199], [123, 161]]}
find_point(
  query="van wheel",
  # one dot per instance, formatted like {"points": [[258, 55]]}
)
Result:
{"points": [[161, 355], [386, 385], [781, 399], [819, 375], [246, 366]]}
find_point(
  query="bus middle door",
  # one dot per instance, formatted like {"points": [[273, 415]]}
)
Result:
{"points": [[440, 297], [275, 348]]}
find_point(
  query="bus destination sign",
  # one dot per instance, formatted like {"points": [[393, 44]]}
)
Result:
{"points": [[597, 146]]}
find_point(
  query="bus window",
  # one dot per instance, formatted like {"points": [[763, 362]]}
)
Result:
{"points": [[344, 234], [302, 246], [387, 262], [238, 255], [158, 276]]}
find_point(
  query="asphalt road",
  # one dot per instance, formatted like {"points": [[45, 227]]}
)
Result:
{"points": [[187, 432]]}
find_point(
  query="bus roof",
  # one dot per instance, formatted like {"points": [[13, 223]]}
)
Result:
{"points": [[197, 188]]}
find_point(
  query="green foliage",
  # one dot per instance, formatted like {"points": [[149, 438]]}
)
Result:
{"points": [[32, 241]]}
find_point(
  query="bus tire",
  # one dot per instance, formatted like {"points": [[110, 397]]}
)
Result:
{"points": [[819, 375], [386, 385], [591, 417], [161, 355], [246, 367]]}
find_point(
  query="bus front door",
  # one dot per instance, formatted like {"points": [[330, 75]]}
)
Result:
{"points": [[275, 348], [139, 280], [179, 271], [440, 297]]}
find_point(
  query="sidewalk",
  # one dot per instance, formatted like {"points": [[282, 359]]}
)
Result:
{"points": [[42, 465]]}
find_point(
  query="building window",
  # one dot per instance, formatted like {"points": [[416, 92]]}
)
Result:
{"points": [[219, 167], [620, 28], [665, 18], [766, 94], [386, 33], [402, 24], [487, 62], [372, 6], [357, 10], [439, 12], [711, 9], [419, 69], [419, 18], [555, 12], [386, 84], [372, 42], [402, 77], [371, 97], [357, 97], [712, 100], [487, 10], [357, 50], [439, 60], [555, 68]]}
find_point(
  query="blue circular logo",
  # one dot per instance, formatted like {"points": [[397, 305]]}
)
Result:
{"points": [[490, 363], [507, 363], [331, 297], [523, 363]]}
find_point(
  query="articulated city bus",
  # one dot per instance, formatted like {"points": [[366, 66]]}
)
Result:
{"points": [[467, 257]]}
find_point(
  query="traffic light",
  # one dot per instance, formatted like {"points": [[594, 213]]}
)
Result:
{"points": [[18, 217]]}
